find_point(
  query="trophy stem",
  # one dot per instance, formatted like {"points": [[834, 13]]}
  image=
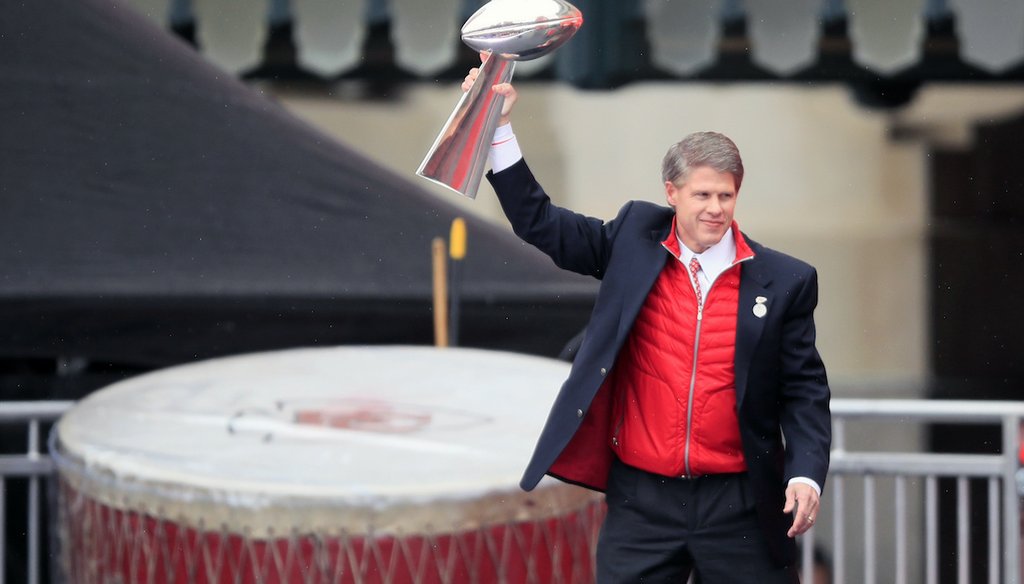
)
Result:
{"points": [[459, 154]]}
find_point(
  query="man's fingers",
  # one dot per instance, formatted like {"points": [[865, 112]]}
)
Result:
{"points": [[470, 78], [802, 502], [790, 500], [807, 503], [800, 525], [802, 521], [504, 89]]}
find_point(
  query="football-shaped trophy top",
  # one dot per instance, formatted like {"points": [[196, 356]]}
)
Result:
{"points": [[521, 30]]}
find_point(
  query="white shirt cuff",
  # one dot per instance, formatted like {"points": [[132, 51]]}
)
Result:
{"points": [[806, 481], [504, 150]]}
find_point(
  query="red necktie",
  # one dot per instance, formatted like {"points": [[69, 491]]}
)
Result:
{"points": [[694, 268]]}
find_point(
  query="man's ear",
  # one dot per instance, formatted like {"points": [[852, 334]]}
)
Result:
{"points": [[671, 194]]}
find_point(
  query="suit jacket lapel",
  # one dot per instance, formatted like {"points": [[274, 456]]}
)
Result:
{"points": [[754, 281], [649, 261]]}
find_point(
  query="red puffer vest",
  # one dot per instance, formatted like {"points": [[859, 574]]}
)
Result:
{"points": [[674, 406]]}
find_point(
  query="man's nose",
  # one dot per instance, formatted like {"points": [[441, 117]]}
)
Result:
{"points": [[714, 206]]}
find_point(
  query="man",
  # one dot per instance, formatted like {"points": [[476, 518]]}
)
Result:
{"points": [[697, 400]]}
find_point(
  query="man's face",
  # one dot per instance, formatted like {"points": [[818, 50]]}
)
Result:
{"points": [[704, 206]]}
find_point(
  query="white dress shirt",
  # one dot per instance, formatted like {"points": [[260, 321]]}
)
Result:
{"points": [[504, 149], [713, 261]]}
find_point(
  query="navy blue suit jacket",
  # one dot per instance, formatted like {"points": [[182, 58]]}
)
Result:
{"points": [[781, 386]]}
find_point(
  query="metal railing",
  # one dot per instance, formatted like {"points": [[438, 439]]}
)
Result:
{"points": [[1000, 471], [33, 465]]}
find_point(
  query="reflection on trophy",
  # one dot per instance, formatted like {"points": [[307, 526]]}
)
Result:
{"points": [[510, 30]]}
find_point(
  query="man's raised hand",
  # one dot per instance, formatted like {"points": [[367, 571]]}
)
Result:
{"points": [[505, 90]]}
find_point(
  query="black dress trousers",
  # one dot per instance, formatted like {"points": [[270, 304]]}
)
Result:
{"points": [[660, 529]]}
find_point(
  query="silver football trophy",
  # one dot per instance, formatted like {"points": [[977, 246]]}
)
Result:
{"points": [[510, 30]]}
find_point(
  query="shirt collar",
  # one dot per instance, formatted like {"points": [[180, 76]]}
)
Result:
{"points": [[730, 250], [712, 260]]}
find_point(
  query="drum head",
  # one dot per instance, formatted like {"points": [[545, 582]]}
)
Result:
{"points": [[396, 437]]}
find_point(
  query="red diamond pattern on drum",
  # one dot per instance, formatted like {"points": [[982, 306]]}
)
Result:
{"points": [[103, 544], [694, 268]]}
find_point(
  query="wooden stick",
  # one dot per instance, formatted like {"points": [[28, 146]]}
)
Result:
{"points": [[440, 258]]}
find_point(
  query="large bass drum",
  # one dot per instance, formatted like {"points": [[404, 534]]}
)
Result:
{"points": [[358, 465]]}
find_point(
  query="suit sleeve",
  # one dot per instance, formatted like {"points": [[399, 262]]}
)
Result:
{"points": [[805, 418], [573, 241]]}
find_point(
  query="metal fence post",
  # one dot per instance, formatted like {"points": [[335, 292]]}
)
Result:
{"points": [[1011, 500], [33, 505], [3, 529]]}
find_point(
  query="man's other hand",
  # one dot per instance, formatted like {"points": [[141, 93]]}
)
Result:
{"points": [[802, 502]]}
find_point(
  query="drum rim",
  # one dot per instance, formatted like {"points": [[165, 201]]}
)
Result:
{"points": [[475, 484]]}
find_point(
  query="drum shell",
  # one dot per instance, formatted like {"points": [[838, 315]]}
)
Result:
{"points": [[105, 544], [125, 518]]}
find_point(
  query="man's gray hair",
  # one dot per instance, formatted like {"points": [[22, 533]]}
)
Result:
{"points": [[709, 149]]}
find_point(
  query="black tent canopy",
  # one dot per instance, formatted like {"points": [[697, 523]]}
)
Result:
{"points": [[155, 210]]}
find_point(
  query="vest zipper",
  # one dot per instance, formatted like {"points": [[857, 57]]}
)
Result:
{"points": [[688, 473], [693, 387]]}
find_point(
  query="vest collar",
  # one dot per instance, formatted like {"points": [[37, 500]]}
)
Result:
{"points": [[743, 249]]}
